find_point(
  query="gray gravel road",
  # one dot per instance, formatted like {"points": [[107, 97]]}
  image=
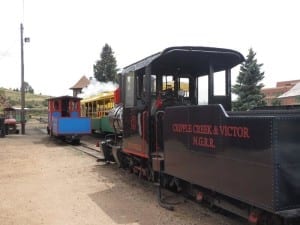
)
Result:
{"points": [[44, 181]]}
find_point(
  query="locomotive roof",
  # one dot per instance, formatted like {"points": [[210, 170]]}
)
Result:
{"points": [[189, 60], [64, 97]]}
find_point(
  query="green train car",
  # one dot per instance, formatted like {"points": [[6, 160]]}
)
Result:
{"points": [[97, 108]]}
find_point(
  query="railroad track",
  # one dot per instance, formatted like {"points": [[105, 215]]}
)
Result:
{"points": [[90, 150]]}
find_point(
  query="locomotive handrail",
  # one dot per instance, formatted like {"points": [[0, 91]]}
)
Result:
{"points": [[158, 113], [159, 197], [145, 113]]}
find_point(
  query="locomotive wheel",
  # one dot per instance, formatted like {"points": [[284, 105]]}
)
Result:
{"points": [[75, 141]]}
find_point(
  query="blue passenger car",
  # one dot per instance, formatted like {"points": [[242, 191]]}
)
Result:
{"points": [[64, 119]]}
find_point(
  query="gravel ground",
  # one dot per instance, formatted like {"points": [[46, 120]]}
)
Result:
{"points": [[44, 181]]}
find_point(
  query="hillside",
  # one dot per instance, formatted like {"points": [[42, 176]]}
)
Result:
{"points": [[35, 103]]}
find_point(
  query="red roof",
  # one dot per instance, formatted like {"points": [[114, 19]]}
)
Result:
{"points": [[83, 82]]}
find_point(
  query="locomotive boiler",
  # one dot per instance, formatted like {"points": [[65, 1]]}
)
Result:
{"points": [[177, 128]]}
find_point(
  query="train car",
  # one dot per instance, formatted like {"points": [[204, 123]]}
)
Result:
{"points": [[64, 119], [245, 162], [97, 108]]}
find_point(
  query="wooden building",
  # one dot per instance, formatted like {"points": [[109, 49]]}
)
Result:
{"points": [[285, 93], [82, 83]]}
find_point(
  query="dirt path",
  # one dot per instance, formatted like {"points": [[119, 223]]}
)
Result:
{"points": [[43, 181]]}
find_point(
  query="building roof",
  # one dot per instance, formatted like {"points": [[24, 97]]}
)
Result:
{"points": [[275, 90], [289, 83], [83, 82], [294, 91]]}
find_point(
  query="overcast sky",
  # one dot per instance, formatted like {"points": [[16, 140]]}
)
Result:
{"points": [[67, 36]]}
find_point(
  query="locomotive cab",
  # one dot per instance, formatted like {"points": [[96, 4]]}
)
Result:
{"points": [[171, 78]]}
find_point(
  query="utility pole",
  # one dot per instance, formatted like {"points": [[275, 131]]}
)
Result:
{"points": [[22, 80], [22, 84]]}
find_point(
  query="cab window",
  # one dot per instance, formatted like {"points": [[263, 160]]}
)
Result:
{"points": [[129, 89]]}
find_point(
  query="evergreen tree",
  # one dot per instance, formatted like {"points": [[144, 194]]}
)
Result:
{"points": [[276, 102], [105, 69], [248, 86], [28, 88]]}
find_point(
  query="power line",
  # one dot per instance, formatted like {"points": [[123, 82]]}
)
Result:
{"points": [[23, 10]]}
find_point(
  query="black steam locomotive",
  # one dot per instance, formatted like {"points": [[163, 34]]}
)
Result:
{"points": [[170, 131]]}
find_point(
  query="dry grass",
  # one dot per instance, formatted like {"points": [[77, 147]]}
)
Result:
{"points": [[37, 103]]}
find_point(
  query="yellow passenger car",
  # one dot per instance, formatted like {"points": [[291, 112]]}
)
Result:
{"points": [[97, 108]]}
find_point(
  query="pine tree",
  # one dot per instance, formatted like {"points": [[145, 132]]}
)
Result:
{"points": [[248, 86], [105, 69], [28, 88]]}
